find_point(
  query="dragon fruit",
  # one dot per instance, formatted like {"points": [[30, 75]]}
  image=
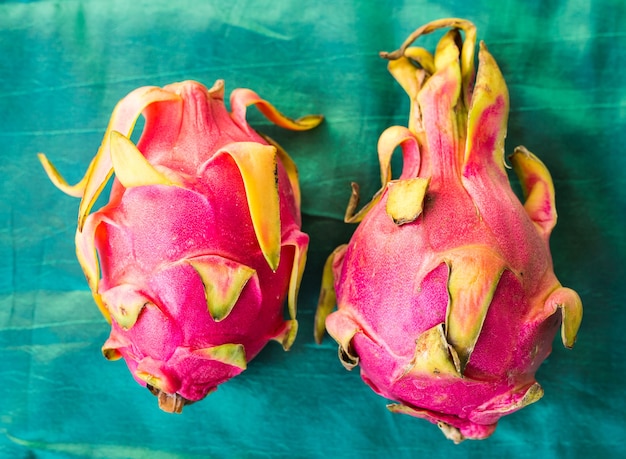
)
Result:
{"points": [[196, 251], [446, 295]]}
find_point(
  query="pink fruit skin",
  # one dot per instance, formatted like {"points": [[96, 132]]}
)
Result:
{"points": [[451, 310], [193, 258]]}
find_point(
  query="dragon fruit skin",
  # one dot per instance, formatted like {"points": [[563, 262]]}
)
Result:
{"points": [[196, 251], [446, 295]]}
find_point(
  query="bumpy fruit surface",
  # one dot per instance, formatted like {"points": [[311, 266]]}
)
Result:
{"points": [[446, 296], [196, 251]]}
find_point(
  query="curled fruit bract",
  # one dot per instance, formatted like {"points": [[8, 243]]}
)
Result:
{"points": [[446, 296], [199, 246]]}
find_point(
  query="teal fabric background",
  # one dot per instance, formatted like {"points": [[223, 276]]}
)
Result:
{"points": [[64, 65]]}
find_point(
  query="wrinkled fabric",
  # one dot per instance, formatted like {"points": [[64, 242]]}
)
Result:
{"points": [[66, 63]]}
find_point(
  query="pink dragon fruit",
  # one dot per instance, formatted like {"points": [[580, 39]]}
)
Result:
{"points": [[199, 245], [446, 295]]}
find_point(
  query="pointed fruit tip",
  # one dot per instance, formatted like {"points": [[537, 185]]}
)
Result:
{"points": [[170, 403], [451, 432]]}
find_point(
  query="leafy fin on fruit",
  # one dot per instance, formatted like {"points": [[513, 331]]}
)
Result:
{"points": [[405, 199], [412, 79], [450, 432], [88, 258], [229, 353], [422, 57], [300, 242], [153, 373], [407, 75], [131, 166], [223, 281], [287, 335], [389, 140], [467, 50], [439, 104], [474, 276], [123, 120], [289, 166], [111, 347], [57, 179], [487, 118], [506, 403], [242, 98], [434, 356], [354, 216], [447, 52], [258, 168], [447, 423], [571, 306], [125, 302], [327, 299], [538, 189], [344, 328]]}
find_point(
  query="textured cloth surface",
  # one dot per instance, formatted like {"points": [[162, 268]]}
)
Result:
{"points": [[66, 63]]}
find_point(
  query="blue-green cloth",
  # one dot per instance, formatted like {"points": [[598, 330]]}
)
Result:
{"points": [[64, 65]]}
